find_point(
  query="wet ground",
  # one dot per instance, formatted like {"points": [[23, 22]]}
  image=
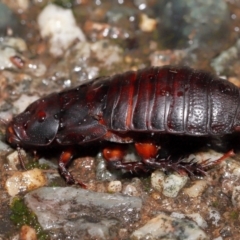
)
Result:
{"points": [[48, 46]]}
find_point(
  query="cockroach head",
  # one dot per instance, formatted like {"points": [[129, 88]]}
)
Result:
{"points": [[37, 125]]}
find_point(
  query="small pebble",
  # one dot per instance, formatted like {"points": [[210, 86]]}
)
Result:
{"points": [[18, 44], [196, 189], [157, 179], [196, 217], [130, 190], [13, 159], [25, 181], [59, 25], [114, 187], [166, 227], [173, 184], [147, 24], [168, 185], [27, 233], [215, 216], [218, 238]]}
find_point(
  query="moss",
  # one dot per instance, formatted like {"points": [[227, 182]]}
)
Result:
{"points": [[215, 204], [64, 3], [146, 183], [35, 164], [54, 184], [21, 215], [234, 215]]}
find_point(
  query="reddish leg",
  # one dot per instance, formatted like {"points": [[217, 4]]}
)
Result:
{"points": [[65, 158], [21, 159], [194, 168], [209, 164], [184, 167], [114, 156], [147, 151]]}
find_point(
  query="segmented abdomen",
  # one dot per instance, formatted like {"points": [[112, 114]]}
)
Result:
{"points": [[171, 100]]}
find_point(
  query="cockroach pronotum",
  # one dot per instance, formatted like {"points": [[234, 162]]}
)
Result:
{"points": [[134, 107]]}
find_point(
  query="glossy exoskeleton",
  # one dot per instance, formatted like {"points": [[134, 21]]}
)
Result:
{"points": [[149, 102]]}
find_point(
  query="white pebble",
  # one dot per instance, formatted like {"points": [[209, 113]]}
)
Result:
{"points": [[23, 4], [196, 189], [25, 181], [13, 159], [60, 26], [215, 216], [218, 238], [5, 56], [166, 227], [177, 215], [173, 184], [196, 217], [10, 47], [168, 185], [17, 43], [147, 24], [130, 190], [157, 179], [114, 187]]}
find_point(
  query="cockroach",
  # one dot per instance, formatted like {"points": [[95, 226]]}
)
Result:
{"points": [[134, 107]]}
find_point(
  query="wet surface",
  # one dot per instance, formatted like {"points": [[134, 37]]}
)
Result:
{"points": [[41, 53], [92, 214]]}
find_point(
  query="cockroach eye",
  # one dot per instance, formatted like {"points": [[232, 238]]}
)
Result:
{"points": [[41, 116]]}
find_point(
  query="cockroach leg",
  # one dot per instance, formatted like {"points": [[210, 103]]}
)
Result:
{"points": [[64, 160], [148, 152], [20, 158], [114, 154], [207, 164]]}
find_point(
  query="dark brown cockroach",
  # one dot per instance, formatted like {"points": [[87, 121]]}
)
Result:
{"points": [[121, 108]]}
